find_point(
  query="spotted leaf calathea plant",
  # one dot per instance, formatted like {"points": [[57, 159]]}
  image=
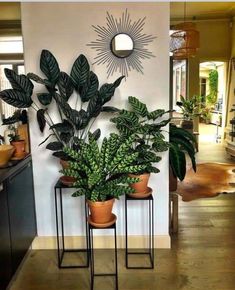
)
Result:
{"points": [[58, 89], [147, 128], [101, 172]]}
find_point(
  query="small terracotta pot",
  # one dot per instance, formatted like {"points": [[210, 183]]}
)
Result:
{"points": [[142, 185], [101, 211], [66, 180], [19, 148], [172, 181], [64, 164]]}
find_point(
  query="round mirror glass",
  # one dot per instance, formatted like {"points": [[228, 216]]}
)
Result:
{"points": [[122, 45]]}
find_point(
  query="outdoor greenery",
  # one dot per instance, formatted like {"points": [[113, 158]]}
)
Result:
{"points": [[211, 99], [182, 142], [146, 127], [59, 88], [102, 172]]}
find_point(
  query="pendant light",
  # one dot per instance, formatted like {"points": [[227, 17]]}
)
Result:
{"points": [[184, 41]]}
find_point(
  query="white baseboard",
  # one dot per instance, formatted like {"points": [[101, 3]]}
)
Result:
{"points": [[101, 242]]}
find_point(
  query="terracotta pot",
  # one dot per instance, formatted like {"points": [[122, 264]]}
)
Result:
{"points": [[19, 148], [101, 211], [66, 180], [64, 164], [142, 185], [173, 182]]}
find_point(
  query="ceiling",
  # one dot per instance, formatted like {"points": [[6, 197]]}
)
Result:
{"points": [[202, 10]]}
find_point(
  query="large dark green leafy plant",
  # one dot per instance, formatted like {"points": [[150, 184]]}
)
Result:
{"points": [[182, 142], [101, 172], [146, 126], [75, 123]]}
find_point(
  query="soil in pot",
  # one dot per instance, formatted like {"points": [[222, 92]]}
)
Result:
{"points": [[101, 211], [142, 185]]}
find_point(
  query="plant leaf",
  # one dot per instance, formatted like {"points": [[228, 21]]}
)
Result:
{"points": [[107, 90], [80, 71], [38, 79], [96, 134], [110, 109], [90, 87], [65, 85], [138, 107], [19, 82], [16, 98], [54, 146], [41, 119], [64, 127], [49, 66], [46, 139], [44, 98]]}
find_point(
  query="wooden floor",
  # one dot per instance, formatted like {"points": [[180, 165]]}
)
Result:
{"points": [[202, 255]]}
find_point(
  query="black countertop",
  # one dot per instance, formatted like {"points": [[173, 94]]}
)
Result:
{"points": [[7, 172]]}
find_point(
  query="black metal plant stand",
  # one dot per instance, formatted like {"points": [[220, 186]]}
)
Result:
{"points": [[61, 249], [93, 274], [150, 250]]}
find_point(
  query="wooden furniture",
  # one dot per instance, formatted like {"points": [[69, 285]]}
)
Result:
{"points": [[18, 220]]}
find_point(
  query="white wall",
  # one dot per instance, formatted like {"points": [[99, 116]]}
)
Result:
{"points": [[65, 29]]}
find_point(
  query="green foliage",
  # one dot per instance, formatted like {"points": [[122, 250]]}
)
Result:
{"points": [[146, 128], [102, 172], [191, 107], [181, 142], [14, 136], [58, 88], [211, 99]]}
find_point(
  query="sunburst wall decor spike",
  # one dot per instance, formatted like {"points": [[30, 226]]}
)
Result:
{"points": [[112, 37]]}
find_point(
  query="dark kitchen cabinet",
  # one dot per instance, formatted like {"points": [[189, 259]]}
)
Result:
{"points": [[5, 240], [18, 222]]}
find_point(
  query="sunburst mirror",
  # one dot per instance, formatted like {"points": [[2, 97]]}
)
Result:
{"points": [[121, 45]]}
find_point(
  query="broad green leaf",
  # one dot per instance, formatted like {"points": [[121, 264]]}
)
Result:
{"points": [[41, 119], [49, 66], [80, 71], [138, 107], [19, 82], [16, 98]]}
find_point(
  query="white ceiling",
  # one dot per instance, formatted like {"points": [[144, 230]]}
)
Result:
{"points": [[202, 10]]}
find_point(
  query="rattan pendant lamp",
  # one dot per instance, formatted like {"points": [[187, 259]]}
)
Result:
{"points": [[184, 41]]}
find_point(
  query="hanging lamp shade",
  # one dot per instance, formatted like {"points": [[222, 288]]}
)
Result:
{"points": [[184, 41]]}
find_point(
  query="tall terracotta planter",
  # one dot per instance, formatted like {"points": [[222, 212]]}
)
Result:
{"points": [[101, 211], [142, 185]]}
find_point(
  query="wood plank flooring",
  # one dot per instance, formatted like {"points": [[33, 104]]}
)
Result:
{"points": [[202, 257]]}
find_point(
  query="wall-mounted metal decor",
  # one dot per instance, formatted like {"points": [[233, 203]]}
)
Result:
{"points": [[121, 44]]}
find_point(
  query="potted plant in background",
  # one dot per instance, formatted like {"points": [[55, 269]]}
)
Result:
{"points": [[190, 108], [17, 143], [182, 142], [149, 140], [101, 173]]}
